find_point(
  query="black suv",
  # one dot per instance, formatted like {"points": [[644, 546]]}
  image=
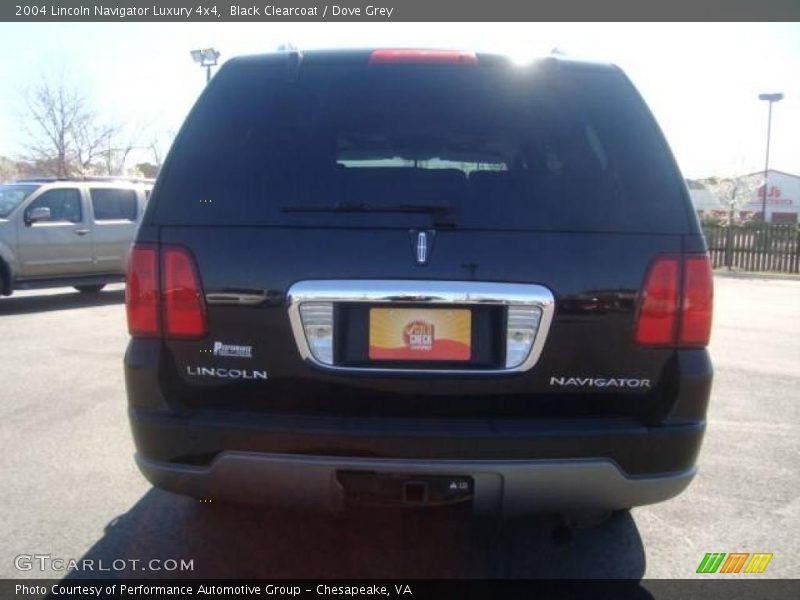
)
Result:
{"points": [[406, 277]]}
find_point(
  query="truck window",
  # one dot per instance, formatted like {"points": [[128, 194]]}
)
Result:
{"points": [[503, 148], [64, 205], [113, 204]]}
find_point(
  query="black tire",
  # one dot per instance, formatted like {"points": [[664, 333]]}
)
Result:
{"points": [[3, 280], [588, 519], [90, 289]]}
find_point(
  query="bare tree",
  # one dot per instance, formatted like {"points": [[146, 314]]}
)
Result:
{"points": [[113, 157], [155, 151], [151, 167], [8, 170], [158, 144], [66, 136]]}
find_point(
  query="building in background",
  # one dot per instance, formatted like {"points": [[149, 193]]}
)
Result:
{"points": [[783, 200]]}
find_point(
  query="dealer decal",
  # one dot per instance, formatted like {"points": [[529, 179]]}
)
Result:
{"points": [[232, 350]]}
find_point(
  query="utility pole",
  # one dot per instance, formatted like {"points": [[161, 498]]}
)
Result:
{"points": [[207, 57], [771, 99]]}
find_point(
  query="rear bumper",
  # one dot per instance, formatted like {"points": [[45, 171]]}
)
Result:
{"points": [[199, 438], [500, 487], [517, 468], [518, 465]]}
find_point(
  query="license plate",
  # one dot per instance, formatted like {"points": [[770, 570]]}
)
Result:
{"points": [[420, 334]]}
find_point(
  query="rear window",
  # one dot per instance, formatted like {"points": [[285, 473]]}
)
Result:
{"points": [[113, 204], [496, 147]]}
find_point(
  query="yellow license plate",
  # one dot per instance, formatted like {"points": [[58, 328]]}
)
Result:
{"points": [[420, 334]]}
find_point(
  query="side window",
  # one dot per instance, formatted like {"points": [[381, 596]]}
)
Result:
{"points": [[64, 205], [113, 204]]}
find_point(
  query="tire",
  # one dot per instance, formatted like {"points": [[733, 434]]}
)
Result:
{"points": [[3, 281], [90, 289], [588, 519]]}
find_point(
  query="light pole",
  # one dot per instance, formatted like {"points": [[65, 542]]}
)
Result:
{"points": [[207, 57], [770, 98]]}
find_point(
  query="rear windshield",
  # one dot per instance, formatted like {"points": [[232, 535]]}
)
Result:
{"points": [[469, 147]]}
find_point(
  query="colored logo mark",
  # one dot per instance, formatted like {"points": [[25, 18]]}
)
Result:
{"points": [[735, 562]]}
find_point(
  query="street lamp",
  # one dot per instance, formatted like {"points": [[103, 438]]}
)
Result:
{"points": [[207, 57], [771, 98]]}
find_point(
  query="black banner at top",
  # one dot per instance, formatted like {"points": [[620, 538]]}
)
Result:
{"points": [[398, 10]]}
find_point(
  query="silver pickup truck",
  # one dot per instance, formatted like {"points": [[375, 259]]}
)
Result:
{"points": [[68, 232]]}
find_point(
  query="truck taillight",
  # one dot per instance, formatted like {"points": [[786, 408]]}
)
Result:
{"points": [[676, 303], [698, 296], [141, 292], [655, 325], [184, 309], [163, 296]]}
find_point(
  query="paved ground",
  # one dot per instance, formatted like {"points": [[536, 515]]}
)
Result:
{"points": [[70, 488]]}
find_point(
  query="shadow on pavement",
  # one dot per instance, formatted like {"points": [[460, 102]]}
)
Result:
{"points": [[227, 541], [20, 305]]}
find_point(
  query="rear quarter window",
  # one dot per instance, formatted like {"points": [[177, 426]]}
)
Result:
{"points": [[503, 147], [113, 204]]}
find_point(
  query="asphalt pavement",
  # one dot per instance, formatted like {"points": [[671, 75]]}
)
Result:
{"points": [[71, 489]]}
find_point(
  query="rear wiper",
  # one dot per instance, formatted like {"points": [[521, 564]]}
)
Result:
{"points": [[443, 213]]}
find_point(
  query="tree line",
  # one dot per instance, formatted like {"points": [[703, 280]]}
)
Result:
{"points": [[65, 136]]}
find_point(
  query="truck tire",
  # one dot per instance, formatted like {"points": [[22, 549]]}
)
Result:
{"points": [[90, 289], [4, 280]]}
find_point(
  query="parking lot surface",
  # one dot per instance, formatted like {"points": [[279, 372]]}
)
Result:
{"points": [[71, 489]]}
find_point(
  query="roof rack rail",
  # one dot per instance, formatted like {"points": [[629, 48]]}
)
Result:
{"points": [[98, 178]]}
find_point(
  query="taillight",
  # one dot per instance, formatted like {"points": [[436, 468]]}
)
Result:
{"points": [[659, 304], [698, 294], [676, 303], [184, 309], [163, 286], [141, 292], [422, 57]]}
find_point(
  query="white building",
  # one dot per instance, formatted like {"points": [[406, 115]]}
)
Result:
{"points": [[783, 199]]}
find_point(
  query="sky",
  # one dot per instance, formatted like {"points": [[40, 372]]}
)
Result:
{"points": [[701, 80]]}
